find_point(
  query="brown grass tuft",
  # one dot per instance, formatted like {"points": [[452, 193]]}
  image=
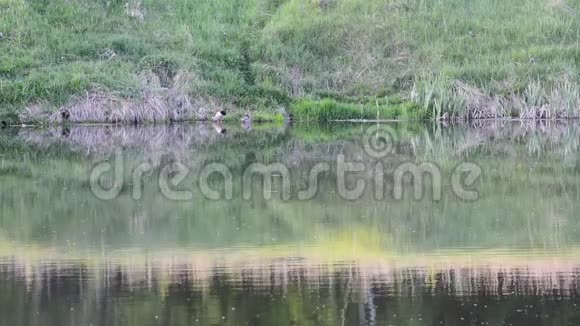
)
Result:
{"points": [[479, 104], [156, 104]]}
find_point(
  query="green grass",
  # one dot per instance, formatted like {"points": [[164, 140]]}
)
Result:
{"points": [[332, 110], [256, 55], [260, 116]]}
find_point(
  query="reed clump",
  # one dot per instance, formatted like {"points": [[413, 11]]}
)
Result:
{"points": [[458, 101]]}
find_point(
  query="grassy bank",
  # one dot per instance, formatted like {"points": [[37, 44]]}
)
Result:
{"points": [[139, 60]]}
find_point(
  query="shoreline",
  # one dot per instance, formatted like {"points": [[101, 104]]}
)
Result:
{"points": [[155, 111], [228, 122]]}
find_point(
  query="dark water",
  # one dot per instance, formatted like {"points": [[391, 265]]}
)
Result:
{"points": [[146, 256]]}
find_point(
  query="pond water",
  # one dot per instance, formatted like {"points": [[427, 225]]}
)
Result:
{"points": [[173, 225]]}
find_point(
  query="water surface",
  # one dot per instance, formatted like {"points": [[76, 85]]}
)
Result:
{"points": [[511, 256]]}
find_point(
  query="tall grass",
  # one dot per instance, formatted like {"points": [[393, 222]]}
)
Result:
{"points": [[332, 110], [259, 54]]}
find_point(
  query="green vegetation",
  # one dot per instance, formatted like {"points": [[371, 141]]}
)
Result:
{"points": [[331, 110], [178, 59]]}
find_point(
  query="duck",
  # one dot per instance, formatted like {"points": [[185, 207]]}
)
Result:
{"points": [[65, 114], [247, 118], [219, 116], [247, 122]]}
